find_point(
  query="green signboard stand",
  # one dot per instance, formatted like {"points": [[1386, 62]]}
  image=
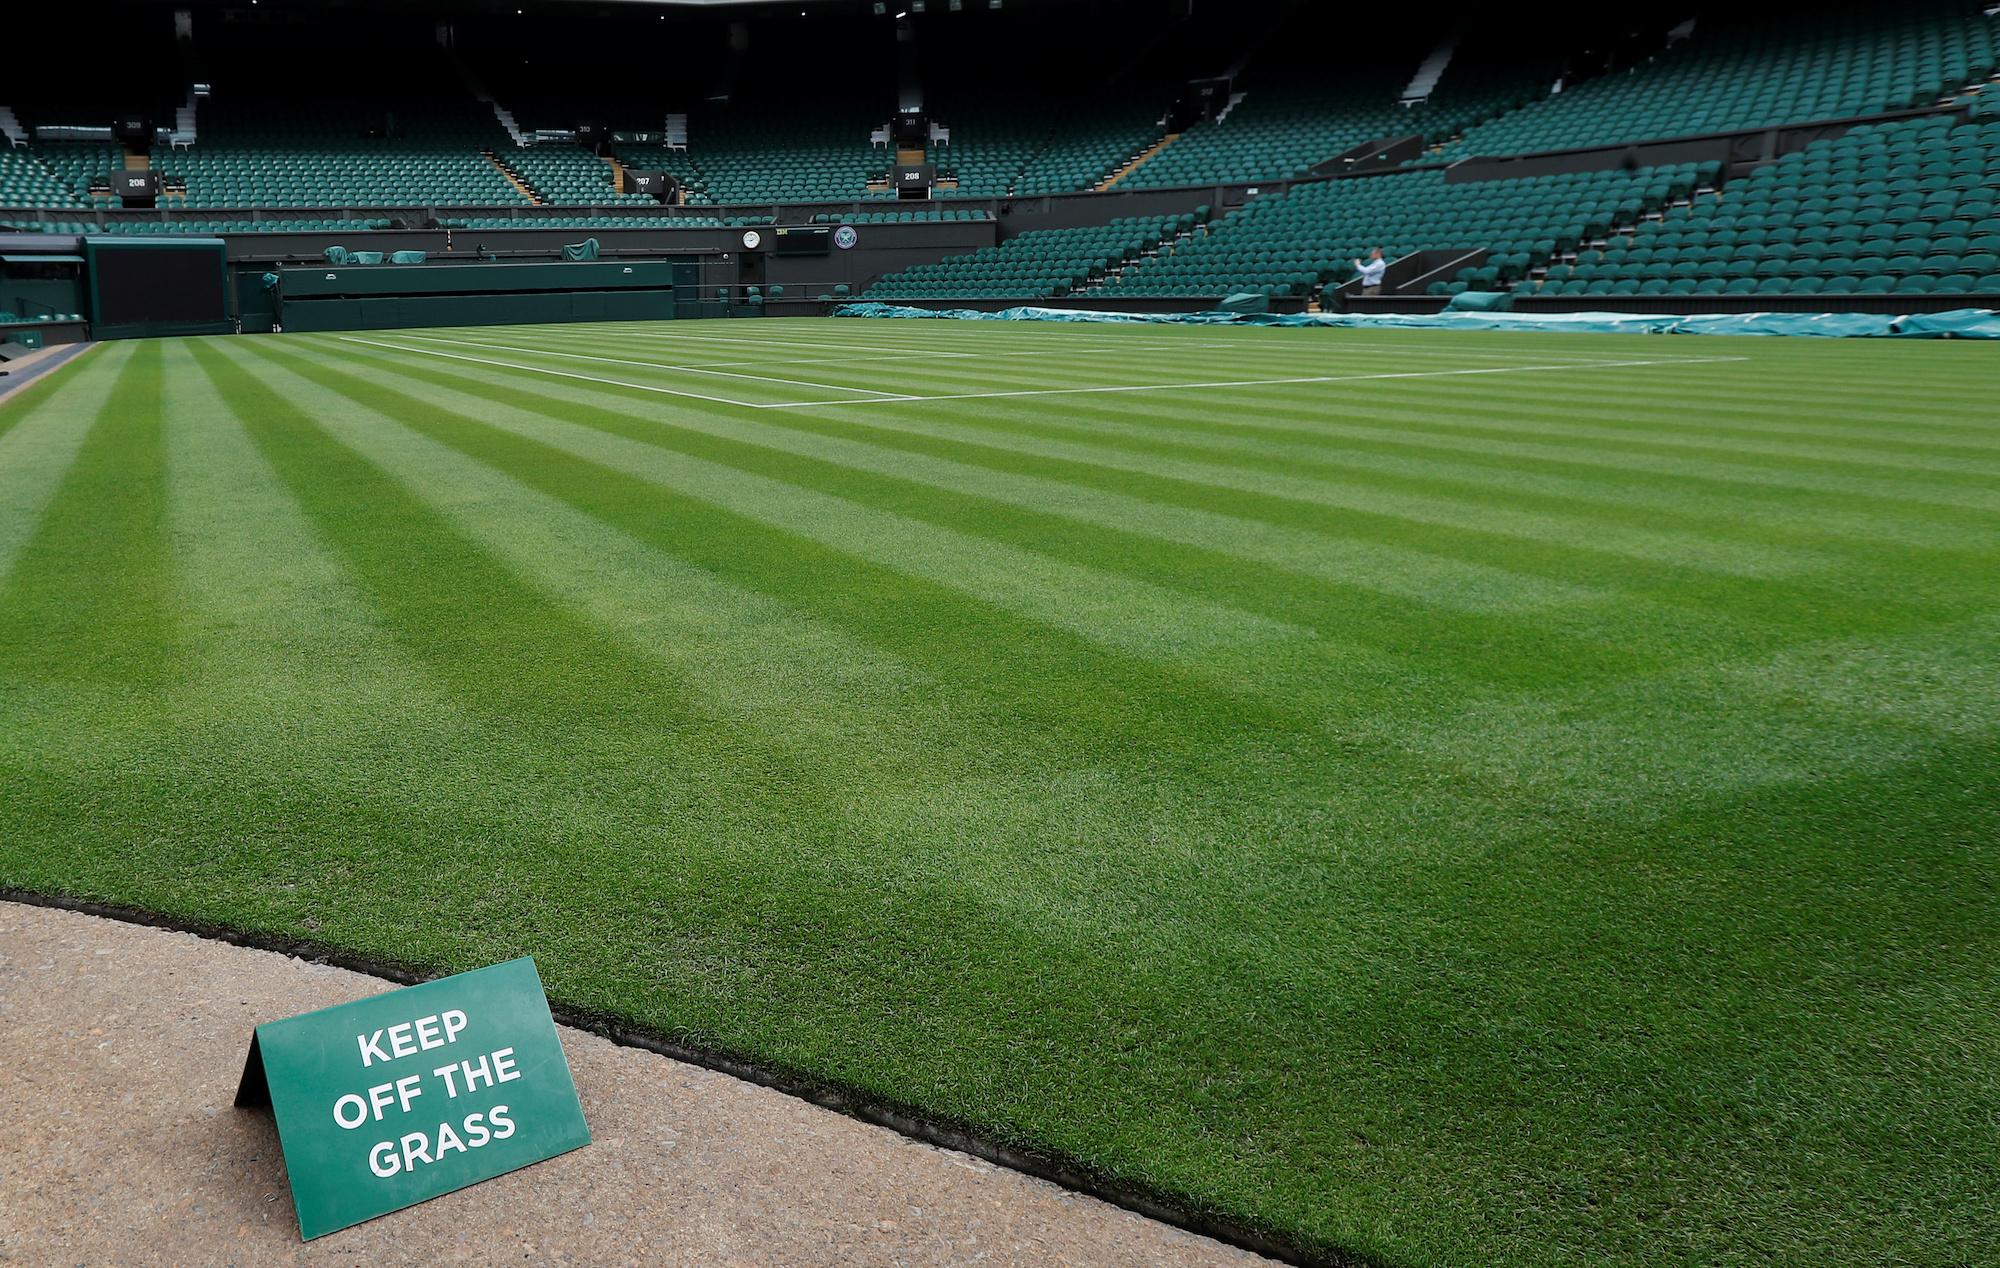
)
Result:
{"points": [[398, 1098]]}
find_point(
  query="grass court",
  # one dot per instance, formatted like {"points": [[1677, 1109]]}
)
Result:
{"points": [[1421, 795]]}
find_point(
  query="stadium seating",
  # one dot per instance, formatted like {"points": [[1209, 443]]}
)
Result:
{"points": [[566, 176], [1286, 123], [257, 155], [676, 162], [1292, 244], [777, 153], [1088, 143], [930, 215], [1755, 69], [27, 181], [1904, 207], [1907, 207], [1038, 263]]}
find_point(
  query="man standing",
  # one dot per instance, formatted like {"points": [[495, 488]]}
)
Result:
{"points": [[1371, 272]]}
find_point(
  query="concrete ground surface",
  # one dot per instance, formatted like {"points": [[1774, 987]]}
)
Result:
{"points": [[17, 373], [120, 1048]]}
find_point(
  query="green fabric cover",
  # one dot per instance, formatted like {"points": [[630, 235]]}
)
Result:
{"points": [[1963, 323], [338, 255], [409, 257], [584, 250]]}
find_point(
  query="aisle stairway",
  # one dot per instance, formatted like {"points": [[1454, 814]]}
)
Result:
{"points": [[515, 178], [1166, 246], [1426, 79], [1136, 161]]}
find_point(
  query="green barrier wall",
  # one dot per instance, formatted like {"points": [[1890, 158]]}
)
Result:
{"points": [[385, 297], [352, 281], [476, 310]]}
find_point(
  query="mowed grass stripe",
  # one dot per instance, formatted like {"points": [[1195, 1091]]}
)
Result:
{"points": [[1644, 435], [1478, 478], [22, 402], [1670, 583], [663, 344], [738, 846], [1395, 441], [923, 619], [1482, 513], [1578, 556], [1748, 559], [845, 447], [1427, 424], [90, 596], [498, 646], [1559, 641], [1820, 709], [1387, 451], [43, 434], [420, 461], [1128, 615], [1078, 371], [1588, 639], [951, 378]]}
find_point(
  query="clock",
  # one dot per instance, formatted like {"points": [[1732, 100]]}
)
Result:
{"points": [[752, 239]]}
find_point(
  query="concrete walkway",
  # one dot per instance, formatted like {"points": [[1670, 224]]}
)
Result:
{"points": [[120, 1048], [21, 371]]}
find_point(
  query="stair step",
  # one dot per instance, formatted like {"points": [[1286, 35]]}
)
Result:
{"points": [[1137, 160]]}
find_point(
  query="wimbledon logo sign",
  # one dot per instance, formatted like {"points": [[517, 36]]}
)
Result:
{"points": [[391, 1100]]}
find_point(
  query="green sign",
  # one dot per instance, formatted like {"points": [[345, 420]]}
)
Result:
{"points": [[395, 1099]]}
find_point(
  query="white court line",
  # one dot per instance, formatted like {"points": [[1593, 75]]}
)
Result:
{"points": [[1006, 353], [975, 338], [798, 343], [702, 365], [984, 336], [1191, 387], [561, 374], [690, 369], [1046, 391]]}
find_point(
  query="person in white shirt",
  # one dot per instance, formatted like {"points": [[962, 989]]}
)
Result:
{"points": [[1371, 271]]}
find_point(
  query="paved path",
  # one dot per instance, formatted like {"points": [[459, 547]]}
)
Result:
{"points": [[21, 371], [120, 1048]]}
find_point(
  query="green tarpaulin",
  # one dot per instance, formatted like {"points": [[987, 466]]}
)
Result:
{"points": [[1962, 323]]}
